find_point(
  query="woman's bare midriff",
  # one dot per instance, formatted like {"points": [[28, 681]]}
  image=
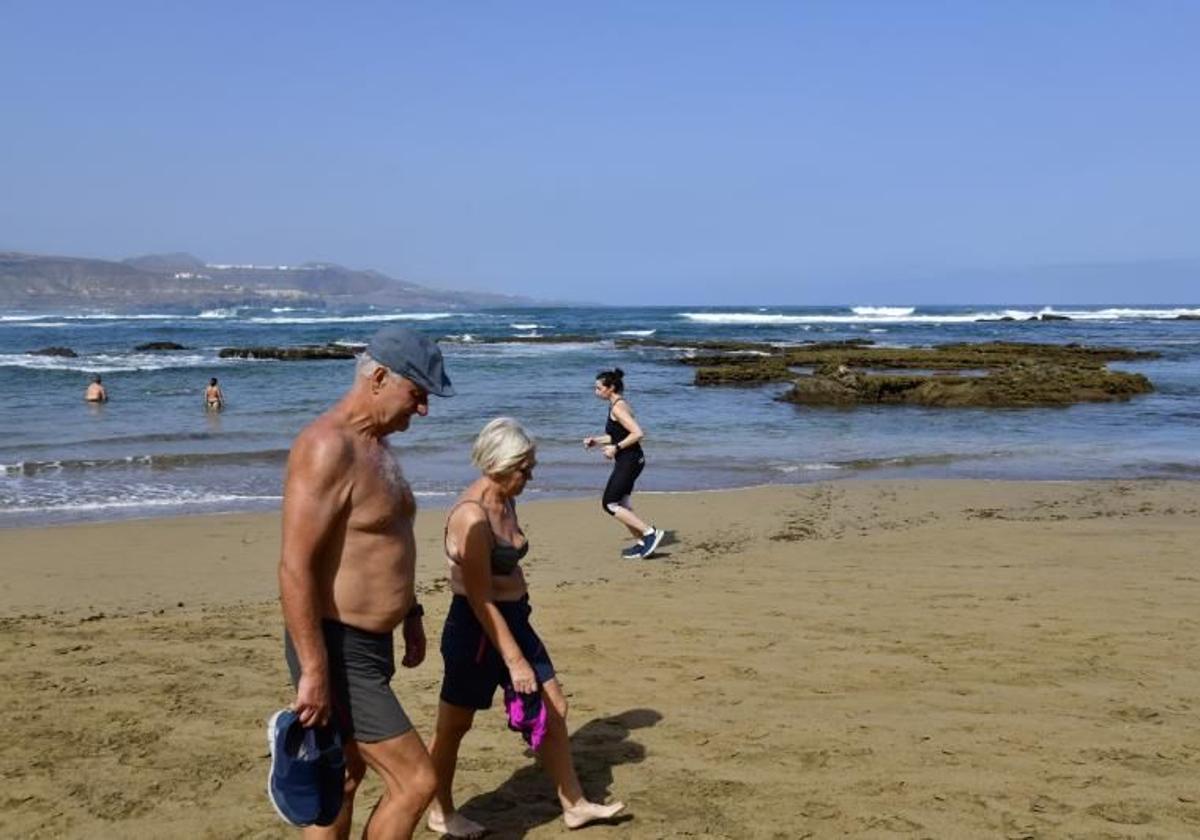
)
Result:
{"points": [[504, 587]]}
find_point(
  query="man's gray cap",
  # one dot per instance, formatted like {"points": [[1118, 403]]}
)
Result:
{"points": [[409, 354]]}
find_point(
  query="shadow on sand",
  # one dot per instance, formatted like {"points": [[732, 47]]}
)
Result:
{"points": [[527, 799]]}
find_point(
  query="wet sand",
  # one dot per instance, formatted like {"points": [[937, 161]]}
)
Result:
{"points": [[926, 659]]}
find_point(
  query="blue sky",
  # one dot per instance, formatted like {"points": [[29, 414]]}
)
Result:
{"points": [[632, 152]]}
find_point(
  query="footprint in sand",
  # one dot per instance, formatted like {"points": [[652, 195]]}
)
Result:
{"points": [[1123, 813]]}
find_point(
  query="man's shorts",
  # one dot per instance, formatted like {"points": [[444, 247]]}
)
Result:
{"points": [[361, 666], [474, 668]]}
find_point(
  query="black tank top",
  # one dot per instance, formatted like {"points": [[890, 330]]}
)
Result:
{"points": [[617, 433], [504, 557]]}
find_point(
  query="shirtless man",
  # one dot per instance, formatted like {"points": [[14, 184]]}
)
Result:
{"points": [[95, 391], [346, 577]]}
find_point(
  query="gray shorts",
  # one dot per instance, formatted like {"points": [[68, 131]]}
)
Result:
{"points": [[361, 665]]}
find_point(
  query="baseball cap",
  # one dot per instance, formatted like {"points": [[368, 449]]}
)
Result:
{"points": [[407, 353]]}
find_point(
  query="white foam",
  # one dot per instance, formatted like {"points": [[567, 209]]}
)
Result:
{"points": [[360, 319], [883, 311], [218, 313], [779, 319], [125, 502], [1120, 312], [104, 363], [754, 319], [817, 467], [531, 327], [640, 333]]}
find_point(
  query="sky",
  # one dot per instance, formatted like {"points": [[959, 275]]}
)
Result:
{"points": [[626, 152]]}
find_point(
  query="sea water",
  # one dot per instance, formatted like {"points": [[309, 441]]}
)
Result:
{"points": [[154, 450]]}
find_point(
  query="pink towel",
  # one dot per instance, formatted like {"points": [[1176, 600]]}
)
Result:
{"points": [[527, 715]]}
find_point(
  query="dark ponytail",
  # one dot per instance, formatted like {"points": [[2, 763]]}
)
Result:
{"points": [[614, 379]]}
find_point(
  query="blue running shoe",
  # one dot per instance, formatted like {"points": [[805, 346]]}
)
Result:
{"points": [[650, 541], [308, 769], [634, 552]]}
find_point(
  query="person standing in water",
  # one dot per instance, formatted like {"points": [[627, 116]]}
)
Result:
{"points": [[622, 444], [214, 400], [95, 391]]}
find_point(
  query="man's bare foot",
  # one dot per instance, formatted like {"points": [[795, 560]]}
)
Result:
{"points": [[456, 825], [584, 812]]}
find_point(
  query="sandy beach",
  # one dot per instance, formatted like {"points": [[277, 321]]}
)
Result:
{"points": [[916, 658]]}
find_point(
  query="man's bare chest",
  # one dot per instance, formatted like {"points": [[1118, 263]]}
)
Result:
{"points": [[382, 500]]}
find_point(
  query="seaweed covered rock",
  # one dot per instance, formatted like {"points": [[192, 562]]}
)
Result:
{"points": [[158, 345], [751, 370], [300, 353], [64, 352], [1017, 386], [996, 373]]}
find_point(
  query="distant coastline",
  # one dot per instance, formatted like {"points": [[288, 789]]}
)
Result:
{"points": [[179, 282]]}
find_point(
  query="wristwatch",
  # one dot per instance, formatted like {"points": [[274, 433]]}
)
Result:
{"points": [[416, 611]]}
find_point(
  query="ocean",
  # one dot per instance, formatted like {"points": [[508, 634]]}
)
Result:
{"points": [[153, 450]]}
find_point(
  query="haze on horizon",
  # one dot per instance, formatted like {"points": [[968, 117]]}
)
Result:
{"points": [[678, 152]]}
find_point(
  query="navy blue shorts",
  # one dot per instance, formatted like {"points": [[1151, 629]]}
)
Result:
{"points": [[474, 668]]}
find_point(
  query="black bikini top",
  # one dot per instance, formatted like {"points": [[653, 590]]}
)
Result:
{"points": [[505, 556]]}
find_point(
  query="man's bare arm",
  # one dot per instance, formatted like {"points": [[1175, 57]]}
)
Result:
{"points": [[315, 496]]}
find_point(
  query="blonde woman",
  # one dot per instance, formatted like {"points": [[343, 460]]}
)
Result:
{"points": [[488, 640]]}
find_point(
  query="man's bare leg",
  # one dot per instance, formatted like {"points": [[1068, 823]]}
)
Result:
{"points": [[356, 768], [556, 758], [409, 783], [453, 723]]}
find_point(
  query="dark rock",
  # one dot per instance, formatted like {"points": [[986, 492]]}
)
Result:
{"points": [[957, 356], [307, 352], [159, 345], [65, 352], [1017, 386], [1048, 317], [755, 370], [1187, 317]]}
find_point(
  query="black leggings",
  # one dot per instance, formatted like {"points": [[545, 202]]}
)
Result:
{"points": [[626, 469]]}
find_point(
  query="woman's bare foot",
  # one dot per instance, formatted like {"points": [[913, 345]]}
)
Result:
{"points": [[455, 825], [584, 812]]}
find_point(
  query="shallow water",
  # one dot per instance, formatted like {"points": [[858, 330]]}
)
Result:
{"points": [[153, 450]]}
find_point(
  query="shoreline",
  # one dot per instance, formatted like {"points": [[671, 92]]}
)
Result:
{"points": [[936, 658], [430, 499]]}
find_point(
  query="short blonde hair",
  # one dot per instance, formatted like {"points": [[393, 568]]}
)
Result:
{"points": [[501, 447]]}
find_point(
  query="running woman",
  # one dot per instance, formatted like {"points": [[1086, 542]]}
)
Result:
{"points": [[622, 444]]}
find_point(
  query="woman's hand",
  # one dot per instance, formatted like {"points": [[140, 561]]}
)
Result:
{"points": [[524, 681], [610, 451], [589, 442]]}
